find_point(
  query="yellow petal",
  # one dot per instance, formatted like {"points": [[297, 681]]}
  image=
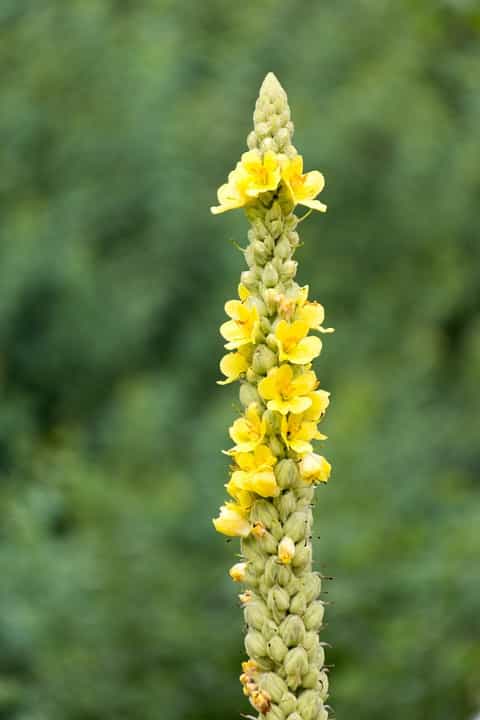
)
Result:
{"points": [[263, 483], [232, 521], [232, 366], [305, 351]]}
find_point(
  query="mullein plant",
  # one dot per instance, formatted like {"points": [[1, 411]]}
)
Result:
{"points": [[274, 468]]}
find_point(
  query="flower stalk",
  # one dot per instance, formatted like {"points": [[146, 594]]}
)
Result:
{"points": [[275, 468]]}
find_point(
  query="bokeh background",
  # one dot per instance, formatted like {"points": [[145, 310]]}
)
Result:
{"points": [[118, 120]]}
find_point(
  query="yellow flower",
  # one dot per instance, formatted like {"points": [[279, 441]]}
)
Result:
{"points": [[315, 468], [286, 550], [255, 473], [286, 393], [242, 327], [320, 402], [248, 431], [293, 345], [243, 497], [297, 433], [237, 571], [252, 176], [232, 521], [263, 173], [303, 188], [313, 315], [235, 364]]}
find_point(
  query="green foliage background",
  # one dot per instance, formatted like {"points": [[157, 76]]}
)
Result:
{"points": [[118, 121]]}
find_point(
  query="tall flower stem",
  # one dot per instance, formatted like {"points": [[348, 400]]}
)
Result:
{"points": [[274, 468]]}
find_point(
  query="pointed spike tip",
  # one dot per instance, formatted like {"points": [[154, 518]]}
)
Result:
{"points": [[271, 84]]}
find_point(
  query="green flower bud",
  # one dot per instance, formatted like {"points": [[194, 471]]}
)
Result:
{"points": [[273, 685], [298, 604], [276, 227], [274, 713], [284, 575], [311, 586], [278, 598], [303, 556], [264, 512], [286, 472], [263, 359], [249, 279], [255, 644], [255, 613], [269, 629], [248, 394], [294, 716], [293, 239], [310, 679], [286, 503], [268, 544], [308, 703], [272, 423], [271, 571], [269, 275], [271, 341], [276, 446], [313, 617], [265, 325], [277, 531], [277, 649], [296, 662], [288, 703], [259, 252], [323, 682], [282, 248], [289, 269], [292, 630], [296, 525], [251, 376], [250, 256]]}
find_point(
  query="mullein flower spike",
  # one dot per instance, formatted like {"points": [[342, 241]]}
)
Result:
{"points": [[274, 467]]}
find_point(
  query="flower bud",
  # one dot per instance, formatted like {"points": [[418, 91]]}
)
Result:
{"points": [[250, 256], [296, 662], [275, 713], [298, 604], [294, 716], [272, 427], [269, 629], [249, 279], [278, 598], [296, 525], [286, 550], [237, 572], [255, 644], [273, 685], [288, 703], [286, 472], [308, 702], [259, 252], [292, 630], [252, 140], [276, 446], [263, 359], [284, 575], [276, 227], [277, 649], [268, 544], [271, 570], [255, 614], [310, 679], [313, 617], [269, 275], [265, 325], [311, 586], [323, 682], [322, 712], [289, 269], [303, 556], [282, 248], [272, 342], [263, 511], [248, 394]]}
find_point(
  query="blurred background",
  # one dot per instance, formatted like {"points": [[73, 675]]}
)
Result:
{"points": [[118, 121]]}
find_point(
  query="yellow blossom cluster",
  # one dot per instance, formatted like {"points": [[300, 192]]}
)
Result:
{"points": [[256, 174], [282, 421]]}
